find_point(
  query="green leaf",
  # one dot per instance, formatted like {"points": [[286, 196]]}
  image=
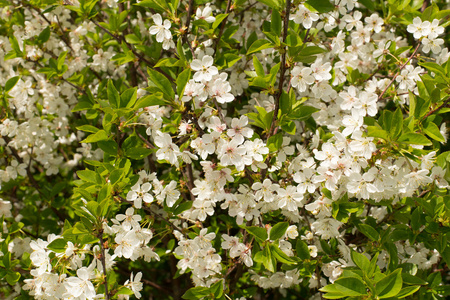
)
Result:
{"points": [[150, 100], [159, 6], [61, 60], [368, 3], [312, 50], [196, 293], [412, 138], [302, 113], [375, 131], [113, 95], [281, 256], [268, 261], [12, 277], [138, 153], [435, 68], [407, 291], [44, 35], [369, 231], [278, 230], [390, 285], [58, 245], [433, 131], [16, 226], [182, 207], [361, 261], [259, 233], [322, 6], [274, 142], [11, 83], [410, 279], [275, 24], [88, 176], [128, 98], [98, 136], [161, 82], [397, 123], [271, 3], [219, 19], [258, 67], [258, 46], [88, 128], [351, 286], [182, 80], [302, 249]]}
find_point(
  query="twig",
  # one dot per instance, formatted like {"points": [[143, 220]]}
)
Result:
{"points": [[436, 109], [222, 27], [219, 110], [283, 70], [103, 260], [280, 84], [190, 182], [398, 73], [145, 140]]}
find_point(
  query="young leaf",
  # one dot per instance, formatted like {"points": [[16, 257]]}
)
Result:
{"points": [[259, 233], [322, 6], [275, 24], [412, 138], [258, 46], [113, 95], [351, 286], [390, 285], [278, 230], [182, 80], [361, 261], [302, 249], [161, 82]]}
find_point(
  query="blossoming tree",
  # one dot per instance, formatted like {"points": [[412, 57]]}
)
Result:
{"points": [[228, 149]]}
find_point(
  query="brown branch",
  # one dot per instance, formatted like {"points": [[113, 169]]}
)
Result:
{"points": [[436, 109], [103, 260], [283, 71], [222, 27], [219, 111], [398, 73], [190, 182], [145, 140]]}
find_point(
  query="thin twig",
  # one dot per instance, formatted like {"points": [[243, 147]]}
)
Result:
{"points": [[398, 73], [283, 71], [190, 182], [103, 260], [222, 27], [145, 140], [219, 111], [436, 109]]}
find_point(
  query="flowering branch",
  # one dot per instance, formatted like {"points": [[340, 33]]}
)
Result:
{"points": [[283, 71], [103, 260], [398, 73]]}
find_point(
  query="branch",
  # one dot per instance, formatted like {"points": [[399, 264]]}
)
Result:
{"points": [[102, 258], [398, 73], [222, 27], [283, 71], [436, 109]]}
